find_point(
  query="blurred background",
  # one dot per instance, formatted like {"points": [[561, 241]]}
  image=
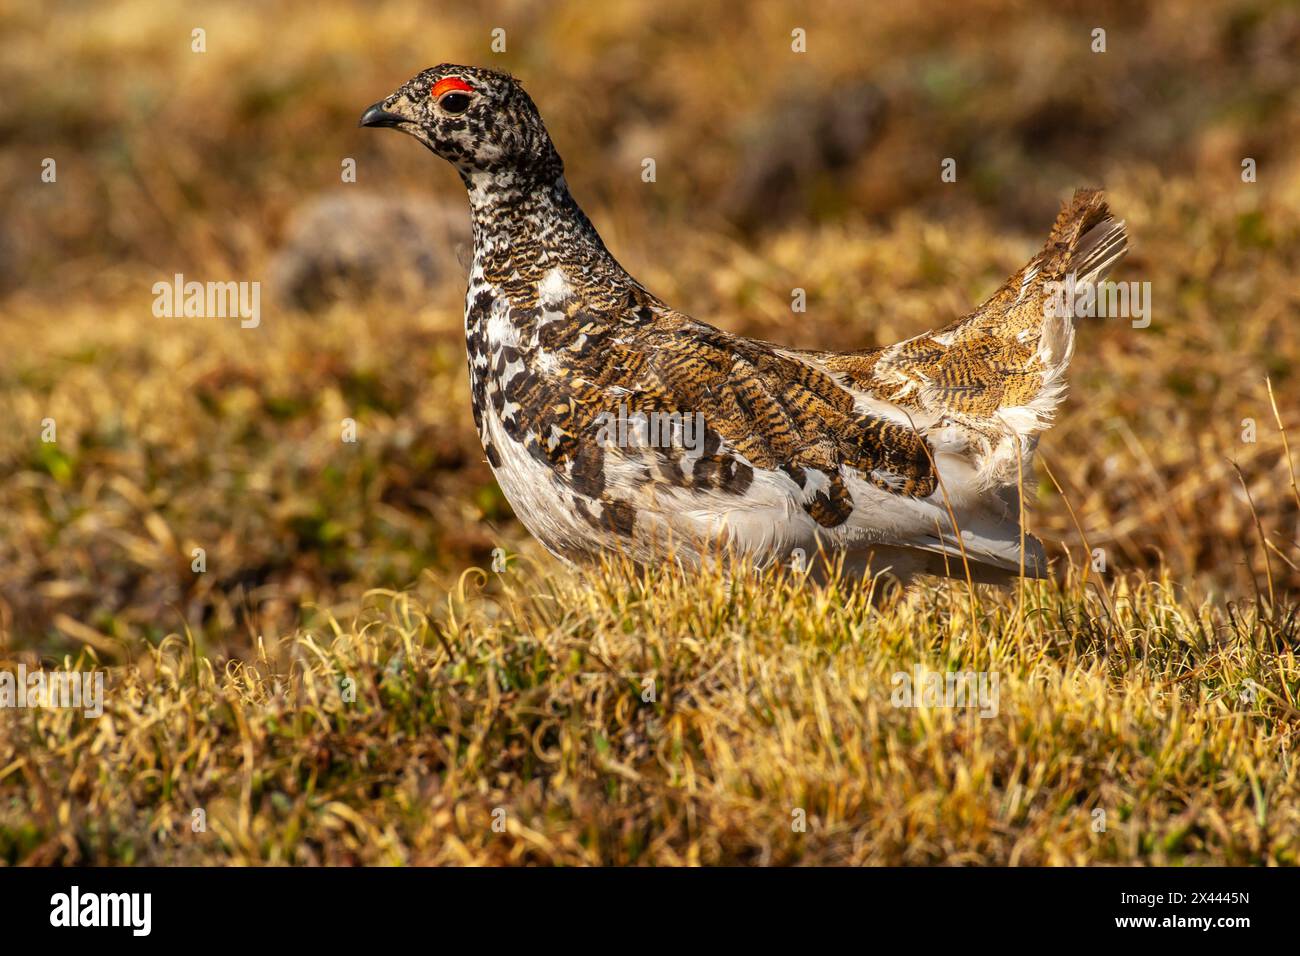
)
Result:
{"points": [[775, 170]]}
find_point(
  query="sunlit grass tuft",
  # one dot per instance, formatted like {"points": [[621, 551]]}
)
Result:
{"points": [[617, 718]]}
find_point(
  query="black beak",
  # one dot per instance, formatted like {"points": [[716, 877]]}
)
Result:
{"points": [[378, 116]]}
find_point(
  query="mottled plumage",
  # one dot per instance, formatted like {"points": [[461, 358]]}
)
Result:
{"points": [[864, 457]]}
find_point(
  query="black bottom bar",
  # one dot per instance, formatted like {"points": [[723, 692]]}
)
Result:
{"points": [[335, 906]]}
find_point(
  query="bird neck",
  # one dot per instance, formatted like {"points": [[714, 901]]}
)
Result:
{"points": [[525, 226]]}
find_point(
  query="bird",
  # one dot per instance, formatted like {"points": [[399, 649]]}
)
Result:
{"points": [[903, 460]]}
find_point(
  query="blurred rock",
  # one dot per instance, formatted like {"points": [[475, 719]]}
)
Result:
{"points": [[808, 134], [358, 245]]}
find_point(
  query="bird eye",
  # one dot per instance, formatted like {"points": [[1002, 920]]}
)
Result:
{"points": [[454, 103]]}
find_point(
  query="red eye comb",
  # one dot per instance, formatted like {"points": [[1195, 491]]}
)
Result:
{"points": [[447, 84]]}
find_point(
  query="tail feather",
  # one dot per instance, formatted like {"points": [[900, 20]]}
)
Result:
{"points": [[1085, 240], [1085, 209], [1083, 246], [1098, 250], [1002, 374]]}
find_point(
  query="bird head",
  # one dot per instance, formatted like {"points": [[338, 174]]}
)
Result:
{"points": [[481, 121]]}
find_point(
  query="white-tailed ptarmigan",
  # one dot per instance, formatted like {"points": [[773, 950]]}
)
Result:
{"points": [[615, 423]]}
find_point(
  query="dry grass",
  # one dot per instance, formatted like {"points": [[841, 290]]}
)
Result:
{"points": [[528, 699], [1124, 693]]}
